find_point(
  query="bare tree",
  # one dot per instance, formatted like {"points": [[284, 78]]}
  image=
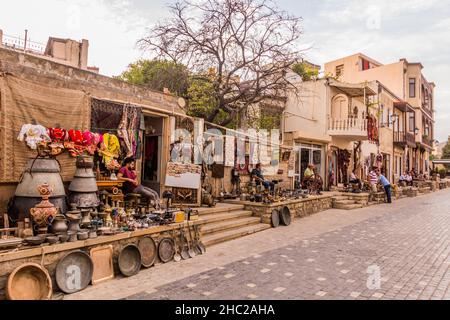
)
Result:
{"points": [[248, 43]]}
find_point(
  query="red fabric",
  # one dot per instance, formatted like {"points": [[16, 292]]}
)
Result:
{"points": [[76, 136]]}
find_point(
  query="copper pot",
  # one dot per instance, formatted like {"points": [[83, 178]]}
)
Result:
{"points": [[59, 224]]}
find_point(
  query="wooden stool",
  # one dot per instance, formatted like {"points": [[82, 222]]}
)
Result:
{"points": [[133, 200]]}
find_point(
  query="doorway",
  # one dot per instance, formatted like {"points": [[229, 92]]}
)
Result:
{"points": [[153, 146], [309, 154]]}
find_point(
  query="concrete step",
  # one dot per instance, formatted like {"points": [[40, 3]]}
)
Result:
{"points": [[212, 239], [347, 206], [229, 224], [220, 209], [217, 217]]}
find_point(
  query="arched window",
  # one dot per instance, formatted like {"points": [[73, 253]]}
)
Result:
{"points": [[339, 107]]}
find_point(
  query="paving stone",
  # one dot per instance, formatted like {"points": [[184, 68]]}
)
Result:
{"points": [[410, 247]]}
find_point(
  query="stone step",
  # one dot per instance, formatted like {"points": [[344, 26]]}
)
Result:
{"points": [[347, 206], [345, 202], [339, 198], [220, 209], [229, 224], [212, 239], [217, 217]]}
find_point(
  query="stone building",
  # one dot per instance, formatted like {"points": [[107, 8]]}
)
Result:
{"points": [[405, 80]]}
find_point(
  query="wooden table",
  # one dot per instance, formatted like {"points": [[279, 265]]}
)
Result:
{"points": [[110, 185]]}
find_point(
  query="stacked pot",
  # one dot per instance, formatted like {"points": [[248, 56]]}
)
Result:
{"points": [[83, 190]]}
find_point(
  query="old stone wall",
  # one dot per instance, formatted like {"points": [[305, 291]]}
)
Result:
{"points": [[299, 208]]}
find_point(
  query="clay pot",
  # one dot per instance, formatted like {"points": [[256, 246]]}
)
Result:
{"points": [[83, 235], [73, 236], [63, 237], [52, 239]]}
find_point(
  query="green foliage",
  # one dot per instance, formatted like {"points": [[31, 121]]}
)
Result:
{"points": [[305, 71], [442, 173], [446, 151], [201, 98], [157, 75], [270, 121]]}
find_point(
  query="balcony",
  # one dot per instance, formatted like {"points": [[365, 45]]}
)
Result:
{"points": [[352, 129], [427, 141], [403, 139]]}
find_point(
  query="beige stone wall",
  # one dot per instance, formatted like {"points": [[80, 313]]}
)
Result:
{"points": [[390, 75], [54, 74], [306, 114]]}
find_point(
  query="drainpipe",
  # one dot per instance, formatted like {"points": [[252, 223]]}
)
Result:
{"points": [[25, 42]]}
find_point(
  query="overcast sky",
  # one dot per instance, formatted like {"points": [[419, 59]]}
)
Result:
{"points": [[385, 30]]}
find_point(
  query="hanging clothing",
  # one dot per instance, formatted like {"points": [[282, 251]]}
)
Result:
{"points": [[110, 148], [123, 134], [57, 134], [35, 134]]}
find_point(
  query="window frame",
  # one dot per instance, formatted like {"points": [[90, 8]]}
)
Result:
{"points": [[412, 93]]}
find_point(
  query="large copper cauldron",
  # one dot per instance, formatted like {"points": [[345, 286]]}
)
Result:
{"points": [[37, 172], [83, 188]]}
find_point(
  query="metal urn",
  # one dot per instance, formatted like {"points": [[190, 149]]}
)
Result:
{"points": [[83, 188], [37, 172]]}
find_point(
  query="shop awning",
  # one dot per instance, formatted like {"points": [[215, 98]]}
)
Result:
{"points": [[353, 89], [441, 161]]}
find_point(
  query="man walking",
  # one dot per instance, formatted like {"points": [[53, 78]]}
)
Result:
{"points": [[386, 184]]}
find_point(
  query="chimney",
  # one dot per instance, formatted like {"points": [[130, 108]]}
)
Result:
{"points": [[84, 49]]}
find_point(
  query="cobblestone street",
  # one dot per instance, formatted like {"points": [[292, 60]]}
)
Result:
{"points": [[334, 254]]}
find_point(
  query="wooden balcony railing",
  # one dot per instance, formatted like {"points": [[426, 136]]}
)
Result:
{"points": [[404, 138]]}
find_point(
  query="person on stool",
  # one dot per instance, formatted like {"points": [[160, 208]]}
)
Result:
{"points": [[128, 174], [257, 174]]}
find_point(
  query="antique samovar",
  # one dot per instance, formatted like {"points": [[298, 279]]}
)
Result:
{"points": [[44, 212]]}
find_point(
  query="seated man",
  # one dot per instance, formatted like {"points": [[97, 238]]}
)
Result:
{"points": [[258, 176], [312, 179], [128, 174], [409, 179], [402, 180], [355, 180]]}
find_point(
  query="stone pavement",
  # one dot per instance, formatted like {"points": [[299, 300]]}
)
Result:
{"points": [[398, 251]]}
